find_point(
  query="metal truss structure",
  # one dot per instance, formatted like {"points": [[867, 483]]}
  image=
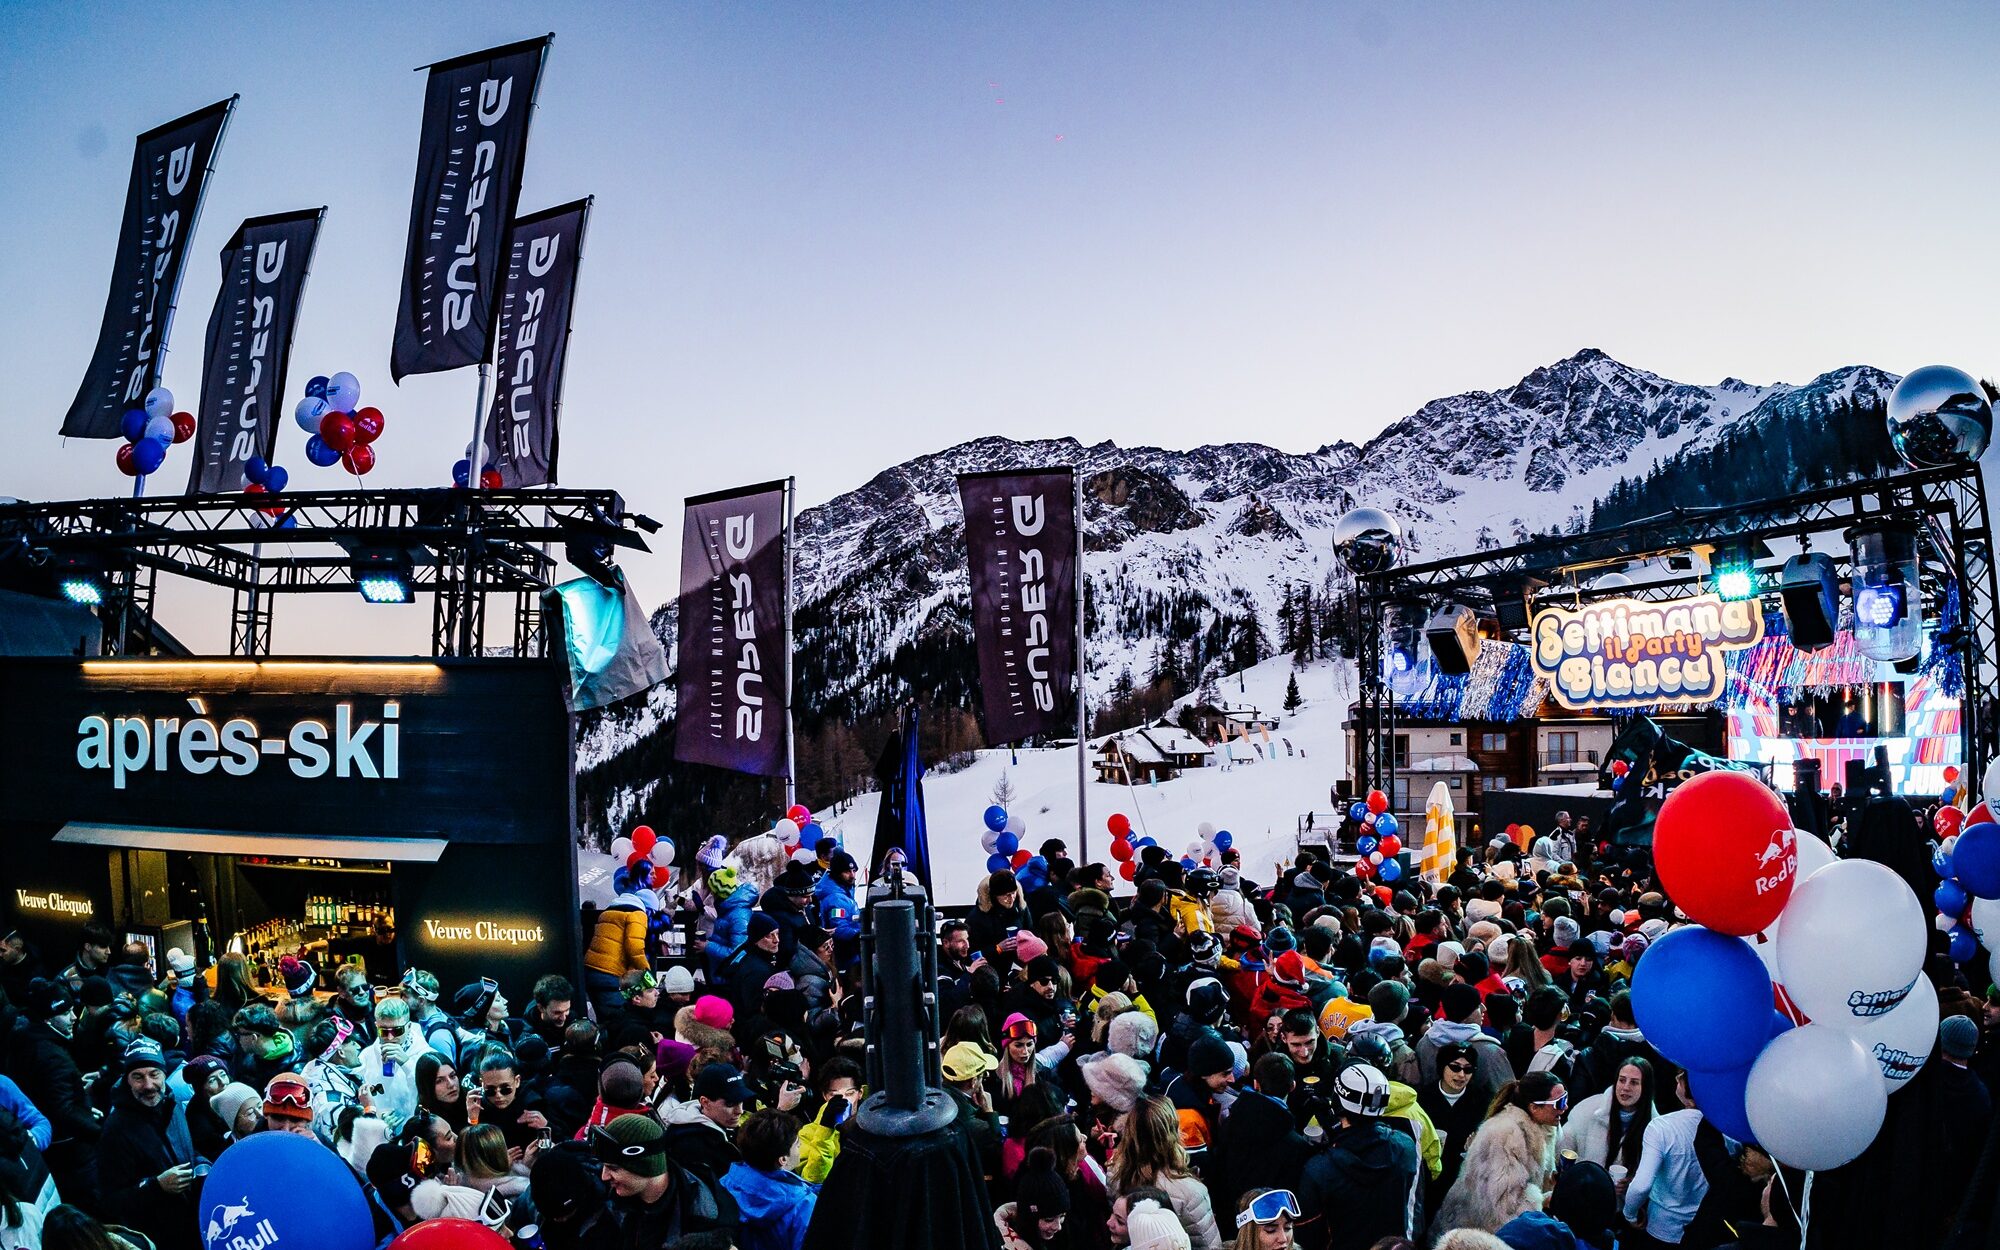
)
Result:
{"points": [[461, 546], [1949, 504]]}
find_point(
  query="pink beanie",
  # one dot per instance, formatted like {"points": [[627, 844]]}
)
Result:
{"points": [[714, 1012], [1027, 946]]}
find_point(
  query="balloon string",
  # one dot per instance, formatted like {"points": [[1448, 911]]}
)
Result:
{"points": [[1805, 1212]]}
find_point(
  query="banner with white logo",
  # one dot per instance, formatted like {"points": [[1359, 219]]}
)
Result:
{"points": [[535, 300], [469, 162], [730, 671], [169, 173], [249, 345], [1020, 538]]}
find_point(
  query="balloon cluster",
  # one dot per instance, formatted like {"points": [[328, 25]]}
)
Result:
{"points": [[1208, 844], [337, 427], [647, 856], [1378, 845], [268, 479], [461, 473], [1620, 770], [1124, 847], [800, 833], [1967, 858], [1002, 841], [1797, 1000], [149, 430]]}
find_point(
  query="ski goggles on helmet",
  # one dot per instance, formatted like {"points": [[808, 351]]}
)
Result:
{"points": [[1266, 1207], [1019, 1031]]}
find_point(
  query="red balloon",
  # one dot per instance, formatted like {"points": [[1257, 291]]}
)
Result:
{"points": [[1619, 768], [1363, 869], [183, 426], [449, 1235], [1948, 821], [1950, 773], [635, 859], [1980, 815], [256, 488], [1021, 859], [644, 839], [1386, 894], [126, 464], [336, 430], [1128, 870], [489, 479], [662, 875], [1389, 845], [358, 460], [798, 813], [367, 425], [1120, 824], [1725, 851], [1121, 850], [1378, 802]]}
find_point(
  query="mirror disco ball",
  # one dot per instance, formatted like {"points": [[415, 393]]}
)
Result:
{"points": [[1368, 540], [1939, 416]]}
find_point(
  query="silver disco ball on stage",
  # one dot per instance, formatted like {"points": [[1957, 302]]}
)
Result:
{"points": [[1939, 416], [1368, 540]]}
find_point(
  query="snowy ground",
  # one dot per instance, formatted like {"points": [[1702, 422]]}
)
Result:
{"points": [[1259, 801]]}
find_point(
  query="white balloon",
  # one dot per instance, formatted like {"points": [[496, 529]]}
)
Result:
{"points": [[160, 403], [1814, 854], [1989, 785], [787, 830], [990, 841], [1206, 830], [1851, 942], [1016, 826], [1950, 844], [160, 428], [309, 412], [1900, 1041], [1814, 1098], [663, 852], [1766, 946], [1945, 924], [1986, 922], [343, 391], [621, 849], [801, 855]]}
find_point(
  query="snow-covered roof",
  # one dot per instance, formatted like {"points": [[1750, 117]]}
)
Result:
{"points": [[1138, 748], [1442, 764]]}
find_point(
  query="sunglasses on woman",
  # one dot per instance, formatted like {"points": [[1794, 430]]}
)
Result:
{"points": [[1266, 1207], [1466, 1068], [1560, 1102]]}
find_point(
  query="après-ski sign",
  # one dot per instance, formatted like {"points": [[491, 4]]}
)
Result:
{"points": [[1620, 653]]}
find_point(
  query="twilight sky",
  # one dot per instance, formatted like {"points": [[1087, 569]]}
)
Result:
{"points": [[828, 238]]}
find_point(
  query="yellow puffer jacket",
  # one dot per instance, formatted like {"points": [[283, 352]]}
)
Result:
{"points": [[1189, 915], [618, 943], [819, 1143]]}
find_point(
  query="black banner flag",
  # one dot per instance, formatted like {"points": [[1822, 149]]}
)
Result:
{"points": [[1020, 537], [730, 661], [249, 345], [535, 301], [469, 161], [169, 173]]}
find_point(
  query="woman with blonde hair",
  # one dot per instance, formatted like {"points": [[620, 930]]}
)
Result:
{"points": [[1149, 1155], [1523, 962], [485, 1165], [1264, 1220]]}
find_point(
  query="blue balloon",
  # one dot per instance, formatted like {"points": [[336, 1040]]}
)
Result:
{"points": [[461, 473], [996, 818], [1618, 782], [1720, 1097], [1963, 945], [1386, 824], [1037, 865], [275, 478], [1144, 842], [1388, 870], [288, 522], [149, 454], [1357, 812], [1187, 863], [1223, 840], [1704, 999], [1950, 899], [995, 862], [809, 834], [133, 424], [1941, 863], [1366, 844], [316, 386], [1006, 844], [319, 453], [255, 470], [1975, 860], [262, 1179], [1780, 1022], [1949, 793]]}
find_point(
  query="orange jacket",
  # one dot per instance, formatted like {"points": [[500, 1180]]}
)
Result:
{"points": [[618, 943]]}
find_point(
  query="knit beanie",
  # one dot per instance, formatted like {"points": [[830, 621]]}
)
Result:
{"points": [[1040, 1193], [1029, 947], [714, 1012], [179, 962], [230, 1101], [722, 882], [1461, 999], [564, 1183], [1390, 1001], [46, 999], [1566, 931], [1209, 1055], [1279, 940], [633, 1142], [1447, 954], [1152, 1227], [299, 977], [144, 1053], [761, 926], [1958, 1037], [473, 1000]]}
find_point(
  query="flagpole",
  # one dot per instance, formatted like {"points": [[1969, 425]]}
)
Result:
{"points": [[791, 741], [1082, 704], [474, 469]]}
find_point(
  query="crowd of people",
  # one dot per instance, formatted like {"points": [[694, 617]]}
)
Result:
{"points": [[1321, 1061]]}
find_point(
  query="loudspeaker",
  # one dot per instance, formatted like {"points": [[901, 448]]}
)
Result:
{"points": [[1454, 638], [1811, 596], [1513, 603]]}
